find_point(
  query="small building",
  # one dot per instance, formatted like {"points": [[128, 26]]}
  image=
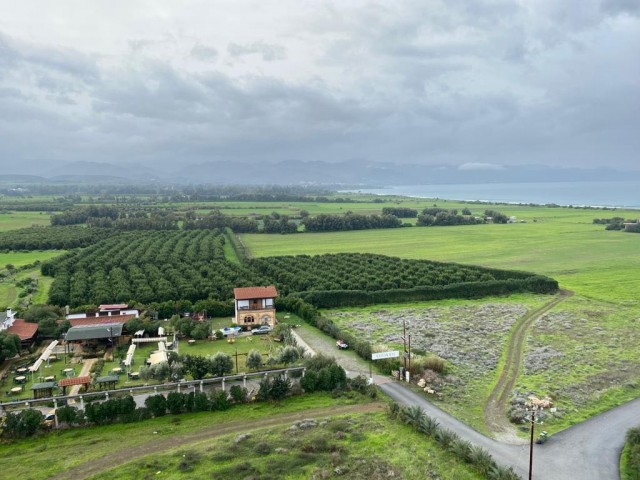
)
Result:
{"points": [[43, 389], [70, 382], [104, 332], [255, 306], [26, 331]]}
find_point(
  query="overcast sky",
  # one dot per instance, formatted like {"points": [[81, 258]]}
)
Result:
{"points": [[459, 82]]}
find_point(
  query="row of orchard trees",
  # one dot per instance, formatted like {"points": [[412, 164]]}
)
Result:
{"points": [[148, 267], [368, 272], [50, 238], [349, 221]]}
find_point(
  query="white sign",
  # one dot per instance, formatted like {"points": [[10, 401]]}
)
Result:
{"points": [[379, 355]]}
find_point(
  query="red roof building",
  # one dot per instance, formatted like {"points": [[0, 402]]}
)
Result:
{"points": [[68, 382], [113, 306], [104, 320], [255, 306], [25, 330], [250, 293]]}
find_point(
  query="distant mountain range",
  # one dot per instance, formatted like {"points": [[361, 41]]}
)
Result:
{"points": [[350, 173]]}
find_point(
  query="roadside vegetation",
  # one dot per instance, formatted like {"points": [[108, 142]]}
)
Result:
{"points": [[630, 458]]}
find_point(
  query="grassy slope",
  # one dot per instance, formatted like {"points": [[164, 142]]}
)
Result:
{"points": [[371, 436]]}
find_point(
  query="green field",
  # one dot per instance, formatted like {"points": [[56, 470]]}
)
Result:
{"points": [[15, 220], [590, 338], [359, 442], [566, 246], [8, 290]]}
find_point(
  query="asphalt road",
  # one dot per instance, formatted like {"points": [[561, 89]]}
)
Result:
{"points": [[587, 451]]}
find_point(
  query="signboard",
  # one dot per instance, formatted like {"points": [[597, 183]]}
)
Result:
{"points": [[379, 355]]}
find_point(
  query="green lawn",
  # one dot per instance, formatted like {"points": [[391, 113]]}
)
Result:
{"points": [[358, 444], [44, 457]]}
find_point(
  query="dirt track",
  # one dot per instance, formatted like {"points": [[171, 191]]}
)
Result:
{"points": [[126, 455], [494, 412]]}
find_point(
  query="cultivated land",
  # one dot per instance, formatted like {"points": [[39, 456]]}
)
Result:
{"points": [[582, 351], [15, 220]]}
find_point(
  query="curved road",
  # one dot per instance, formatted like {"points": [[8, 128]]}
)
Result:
{"points": [[587, 451]]}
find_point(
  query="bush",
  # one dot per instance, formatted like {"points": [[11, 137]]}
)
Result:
{"points": [[219, 400], [238, 394], [157, 404], [435, 363]]}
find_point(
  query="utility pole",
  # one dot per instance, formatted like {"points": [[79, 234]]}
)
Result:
{"points": [[404, 343]]}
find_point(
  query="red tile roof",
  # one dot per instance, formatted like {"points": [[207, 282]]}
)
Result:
{"points": [[114, 306], [22, 329], [67, 382], [103, 320], [250, 293]]}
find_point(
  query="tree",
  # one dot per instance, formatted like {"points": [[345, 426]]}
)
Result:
{"points": [[197, 365], [221, 364], [9, 346], [23, 424], [254, 360], [157, 404], [288, 355]]}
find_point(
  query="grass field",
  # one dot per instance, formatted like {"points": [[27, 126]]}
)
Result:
{"points": [[583, 257], [359, 443], [588, 342], [14, 220], [9, 292]]}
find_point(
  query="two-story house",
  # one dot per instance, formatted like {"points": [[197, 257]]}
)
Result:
{"points": [[255, 306]]}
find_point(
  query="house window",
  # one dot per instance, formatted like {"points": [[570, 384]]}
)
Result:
{"points": [[249, 319], [243, 304], [268, 302]]}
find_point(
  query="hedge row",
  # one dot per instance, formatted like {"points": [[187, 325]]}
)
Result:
{"points": [[350, 298]]}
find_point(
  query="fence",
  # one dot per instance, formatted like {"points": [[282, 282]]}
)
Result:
{"points": [[153, 389]]}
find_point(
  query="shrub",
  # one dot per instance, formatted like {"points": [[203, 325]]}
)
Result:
{"points": [[157, 404], [238, 394], [219, 400], [176, 402], [435, 363]]}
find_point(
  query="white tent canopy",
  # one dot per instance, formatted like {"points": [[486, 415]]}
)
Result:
{"points": [[129, 357], [44, 357], [149, 340]]}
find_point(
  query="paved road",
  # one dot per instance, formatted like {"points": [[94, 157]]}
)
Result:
{"points": [[587, 451]]}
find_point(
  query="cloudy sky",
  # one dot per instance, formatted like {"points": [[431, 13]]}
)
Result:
{"points": [[435, 82]]}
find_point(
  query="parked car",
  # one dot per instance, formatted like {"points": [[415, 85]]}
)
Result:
{"points": [[226, 331], [261, 330], [49, 420]]}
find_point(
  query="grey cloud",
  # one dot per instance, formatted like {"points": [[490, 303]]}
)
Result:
{"points": [[204, 52], [268, 52]]}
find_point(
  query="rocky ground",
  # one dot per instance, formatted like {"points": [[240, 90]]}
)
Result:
{"points": [[468, 336]]}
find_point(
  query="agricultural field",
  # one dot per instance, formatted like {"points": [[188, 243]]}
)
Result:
{"points": [[11, 295], [582, 352], [206, 444], [15, 220]]}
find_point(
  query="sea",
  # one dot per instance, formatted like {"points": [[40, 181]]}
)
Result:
{"points": [[619, 194]]}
